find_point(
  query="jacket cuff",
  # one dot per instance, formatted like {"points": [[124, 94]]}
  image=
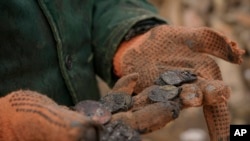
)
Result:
{"points": [[142, 27], [124, 31]]}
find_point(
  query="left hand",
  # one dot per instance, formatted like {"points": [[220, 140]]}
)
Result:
{"points": [[145, 112], [167, 48]]}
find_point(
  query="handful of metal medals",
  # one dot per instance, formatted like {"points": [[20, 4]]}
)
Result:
{"points": [[124, 115]]}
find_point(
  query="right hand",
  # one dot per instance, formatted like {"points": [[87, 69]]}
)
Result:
{"points": [[29, 116]]}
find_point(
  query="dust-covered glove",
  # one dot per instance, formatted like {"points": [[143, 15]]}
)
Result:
{"points": [[29, 116], [125, 116], [167, 48], [143, 112]]}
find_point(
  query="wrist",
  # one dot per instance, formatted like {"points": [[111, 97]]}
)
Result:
{"points": [[134, 37], [123, 49]]}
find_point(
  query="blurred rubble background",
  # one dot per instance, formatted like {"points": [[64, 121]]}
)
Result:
{"points": [[231, 17]]}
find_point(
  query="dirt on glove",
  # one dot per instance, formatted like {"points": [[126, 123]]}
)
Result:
{"points": [[179, 48], [30, 116]]}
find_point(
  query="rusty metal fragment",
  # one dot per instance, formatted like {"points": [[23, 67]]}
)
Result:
{"points": [[176, 77], [119, 131], [93, 109], [164, 93], [117, 101]]}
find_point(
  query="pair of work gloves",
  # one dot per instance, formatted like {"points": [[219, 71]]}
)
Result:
{"points": [[162, 71]]}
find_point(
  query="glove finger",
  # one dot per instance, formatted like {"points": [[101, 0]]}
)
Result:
{"points": [[125, 84], [214, 91], [213, 95], [205, 40], [151, 117], [141, 99], [204, 92], [218, 121]]}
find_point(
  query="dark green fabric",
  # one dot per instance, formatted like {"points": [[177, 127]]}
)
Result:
{"points": [[56, 47], [115, 17]]}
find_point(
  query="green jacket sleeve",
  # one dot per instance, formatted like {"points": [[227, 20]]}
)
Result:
{"points": [[111, 21]]}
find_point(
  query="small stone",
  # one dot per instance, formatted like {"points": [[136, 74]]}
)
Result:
{"points": [[164, 93], [93, 109], [175, 77], [119, 131], [117, 101]]}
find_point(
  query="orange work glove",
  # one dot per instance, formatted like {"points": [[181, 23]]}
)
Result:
{"points": [[29, 116], [165, 48]]}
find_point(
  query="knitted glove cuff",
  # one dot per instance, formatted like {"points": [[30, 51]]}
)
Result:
{"points": [[142, 27]]}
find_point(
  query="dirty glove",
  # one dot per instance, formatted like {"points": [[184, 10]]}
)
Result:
{"points": [[165, 48], [30, 116], [138, 111], [126, 116]]}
